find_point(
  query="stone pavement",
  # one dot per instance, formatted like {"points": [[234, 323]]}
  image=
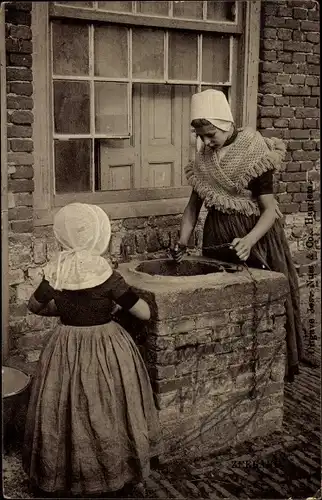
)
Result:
{"points": [[283, 465]]}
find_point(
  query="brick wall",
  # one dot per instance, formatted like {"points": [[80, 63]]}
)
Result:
{"points": [[288, 107]]}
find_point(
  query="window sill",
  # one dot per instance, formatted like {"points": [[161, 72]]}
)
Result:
{"points": [[115, 211]]}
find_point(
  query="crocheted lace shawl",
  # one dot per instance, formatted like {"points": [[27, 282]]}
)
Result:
{"points": [[223, 183]]}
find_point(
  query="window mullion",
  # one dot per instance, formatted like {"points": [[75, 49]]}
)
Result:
{"points": [[170, 9], [204, 10], [199, 62], [92, 102], [130, 82], [166, 56]]}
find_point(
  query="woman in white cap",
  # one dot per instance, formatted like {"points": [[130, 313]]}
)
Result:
{"points": [[233, 176], [92, 426]]}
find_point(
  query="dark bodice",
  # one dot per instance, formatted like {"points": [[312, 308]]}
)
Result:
{"points": [[89, 307]]}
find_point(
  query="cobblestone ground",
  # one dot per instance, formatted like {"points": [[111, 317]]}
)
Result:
{"points": [[283, 465]]}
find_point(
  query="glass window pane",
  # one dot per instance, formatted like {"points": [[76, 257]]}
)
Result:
{"points": [[215, 59], [154, 8], [111, 51], [77, 4], [182, 56], [221, 11], [71, 107], [70, 49], [225, 89], [148, 53], [116, 6], [189, 10], [72, 165], [111, 108]]}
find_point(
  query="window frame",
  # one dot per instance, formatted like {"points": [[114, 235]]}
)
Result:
{"points": [[137, 202]]}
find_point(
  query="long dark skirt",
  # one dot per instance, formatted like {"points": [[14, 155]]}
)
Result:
{"points": [[92, 425], [271, 252]]}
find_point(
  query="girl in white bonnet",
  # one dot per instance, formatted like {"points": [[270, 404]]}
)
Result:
{"points": [[92, 426], [233, 176]]}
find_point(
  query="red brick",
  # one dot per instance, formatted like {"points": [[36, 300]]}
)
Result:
{"points": [[19, 74], [19, 131], [298, 79], [23, 172], [299, 155], [21, 88], [281, 187], [284, 34], [25, 226], [293, 145], [20, 60], [293, 166], [272, 133], [20, 186], [275, 22], [284, 11], [269, 55], [311, 123], [299, 134], [296, 90], [290, 68], [313, 37], [298, 58], [269, 33], [20, 213], [289, 208], [272, 44], [313, 59], [299, 13], [292, 23], [293, 187], [314, 176], [22, 117], [285, 56], [267, 77], [296, 123], [270, 88], [282, 101], [266, 122], [283, 79], [293, 176], [23, 199], [316, 91], [21, 145], [309, 145], [267, 100], [297, 101], [269, 111], [284, 198], [286, 134], [299, 197], [21, 32], [292, 46], [19, 102], [298, 36], [312, 81], [18, 46], [310, 26], [306, 165], [313, 15], [316, 49], [287, 112], [270, 8], [20, 158], [313, 155], [281, 123], [16, 17], [272, 67]]}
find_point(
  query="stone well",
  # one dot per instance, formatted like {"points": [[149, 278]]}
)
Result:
{"points": [[215, 351]]}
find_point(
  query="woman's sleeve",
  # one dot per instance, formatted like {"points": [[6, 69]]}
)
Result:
{"points": [[119, 291], [44, 293], [262, 184]]}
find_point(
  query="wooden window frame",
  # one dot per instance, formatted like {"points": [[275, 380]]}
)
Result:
{"points": [[141, 202]]}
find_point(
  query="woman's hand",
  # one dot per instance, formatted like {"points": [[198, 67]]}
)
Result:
{"points": [[178, 252], [242, 246]]}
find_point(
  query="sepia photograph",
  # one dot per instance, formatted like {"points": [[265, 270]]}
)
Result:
{"points": [[160, 249]]}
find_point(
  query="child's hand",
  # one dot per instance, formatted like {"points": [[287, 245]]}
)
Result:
{"points": [[116, 309]]}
